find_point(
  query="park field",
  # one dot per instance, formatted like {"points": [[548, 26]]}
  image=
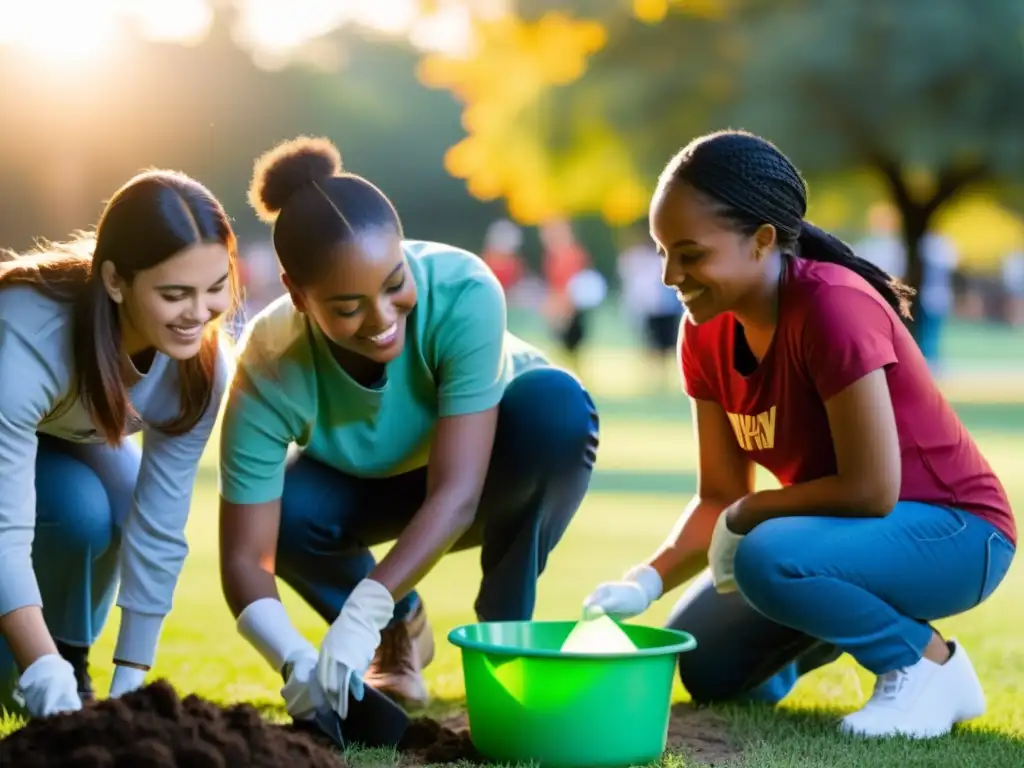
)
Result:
{"points": [[645, 473]]}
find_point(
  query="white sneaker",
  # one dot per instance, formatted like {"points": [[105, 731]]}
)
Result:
{"points": [[922, 701]]}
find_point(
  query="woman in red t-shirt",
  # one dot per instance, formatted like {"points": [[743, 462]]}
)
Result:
{"points": [[888, 517]]}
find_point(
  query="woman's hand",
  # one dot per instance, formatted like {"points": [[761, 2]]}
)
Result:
{"points": [[48, 687], [741, 516], [302, 694], [722, 553], [349, 645], [628, 597]]}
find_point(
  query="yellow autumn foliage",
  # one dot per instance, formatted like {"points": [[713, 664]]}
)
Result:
{"points": [[501, 82], [654, 11]]}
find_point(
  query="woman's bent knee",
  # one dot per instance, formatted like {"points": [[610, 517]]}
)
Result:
{"points": [[707, 683], [73, 510], [766, 557], [546, 413]]}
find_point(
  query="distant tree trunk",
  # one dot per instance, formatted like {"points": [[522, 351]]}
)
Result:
{"points": [[916, 215]]}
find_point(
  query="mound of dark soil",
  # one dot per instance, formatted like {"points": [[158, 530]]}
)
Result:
{"points": [[427, 741], [154, 728]]}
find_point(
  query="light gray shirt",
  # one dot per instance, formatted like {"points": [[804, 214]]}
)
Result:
{"points": [[36, 375]]}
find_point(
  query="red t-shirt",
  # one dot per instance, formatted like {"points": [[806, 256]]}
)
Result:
{"points": [[833, 329]]}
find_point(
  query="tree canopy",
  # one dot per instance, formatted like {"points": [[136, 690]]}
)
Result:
{"points": [[575, 112]]}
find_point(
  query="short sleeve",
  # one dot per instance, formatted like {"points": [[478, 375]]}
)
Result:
{"points": [[255, 436], [846, 335], [694, 382], [473, 367]]}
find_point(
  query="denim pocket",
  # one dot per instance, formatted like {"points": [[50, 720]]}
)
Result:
{"points": [[999, 554], [933, 523]]}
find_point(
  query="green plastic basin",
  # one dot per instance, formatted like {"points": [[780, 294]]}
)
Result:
{"points": [[529, 702]]}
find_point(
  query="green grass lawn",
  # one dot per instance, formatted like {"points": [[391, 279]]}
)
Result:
{"points": [[645, 472]]}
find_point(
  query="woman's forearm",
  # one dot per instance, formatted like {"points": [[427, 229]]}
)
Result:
{"points": [[830, 496], [685, 552], [27, 635], [431, 533], [245, 581]]}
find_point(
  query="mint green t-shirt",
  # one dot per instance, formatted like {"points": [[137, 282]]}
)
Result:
{"points": [[288, 389]]}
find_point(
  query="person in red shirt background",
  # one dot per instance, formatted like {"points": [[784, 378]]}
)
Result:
{"points": [[564, 260], [796, 358], [501, 253]]}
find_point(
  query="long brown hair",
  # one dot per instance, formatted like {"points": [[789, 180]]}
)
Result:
{"points": [[154, 216]]}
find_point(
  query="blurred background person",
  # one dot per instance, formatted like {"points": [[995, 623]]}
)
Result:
{"points": [[882, 246], [501, 253], [934, 301], [1013, 285], [653, 308], [564, 259]]}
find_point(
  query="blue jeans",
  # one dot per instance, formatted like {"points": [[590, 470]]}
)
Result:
{"points": [[812, 588], [542, 461], [83, 494]]}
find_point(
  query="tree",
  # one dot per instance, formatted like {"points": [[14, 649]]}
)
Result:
{"points": [[930, 96], [925, 95], [543, 130], [522, 144], [156, 104]]}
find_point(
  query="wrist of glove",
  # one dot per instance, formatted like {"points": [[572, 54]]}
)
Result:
{"points": [[126, 679], [264, 623], [630, 596], [351, 642], [48, 687], [722, 555]]}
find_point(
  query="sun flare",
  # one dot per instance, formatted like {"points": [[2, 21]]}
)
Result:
{"points": [[62, 31]]}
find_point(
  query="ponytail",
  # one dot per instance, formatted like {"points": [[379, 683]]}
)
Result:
{"points": [[818, 245]]}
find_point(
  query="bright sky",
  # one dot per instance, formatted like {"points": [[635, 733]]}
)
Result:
{"points": [[72, 32]]}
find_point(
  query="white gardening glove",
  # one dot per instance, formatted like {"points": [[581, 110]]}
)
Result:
{"points": [[722, 555], [126, 679], [302, 694], [349, 645], [48, 687], [631, 596], [265, 624]]}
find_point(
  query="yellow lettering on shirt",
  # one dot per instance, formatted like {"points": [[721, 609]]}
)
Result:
{"points": [[754, 433]]}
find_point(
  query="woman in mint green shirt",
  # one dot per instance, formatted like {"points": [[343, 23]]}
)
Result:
{"points": [[381, 399]]}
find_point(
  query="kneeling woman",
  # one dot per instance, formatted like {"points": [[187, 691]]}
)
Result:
{"points": [[796, 357], [417, 418], [100, 339]]}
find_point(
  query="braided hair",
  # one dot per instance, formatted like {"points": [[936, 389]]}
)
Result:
{"points": [[754, 184]]}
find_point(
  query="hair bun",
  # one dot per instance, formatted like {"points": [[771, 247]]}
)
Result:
{"points": [[280, 172]]}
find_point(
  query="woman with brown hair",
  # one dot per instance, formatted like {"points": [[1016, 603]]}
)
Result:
{"points": [[101, 338]]}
